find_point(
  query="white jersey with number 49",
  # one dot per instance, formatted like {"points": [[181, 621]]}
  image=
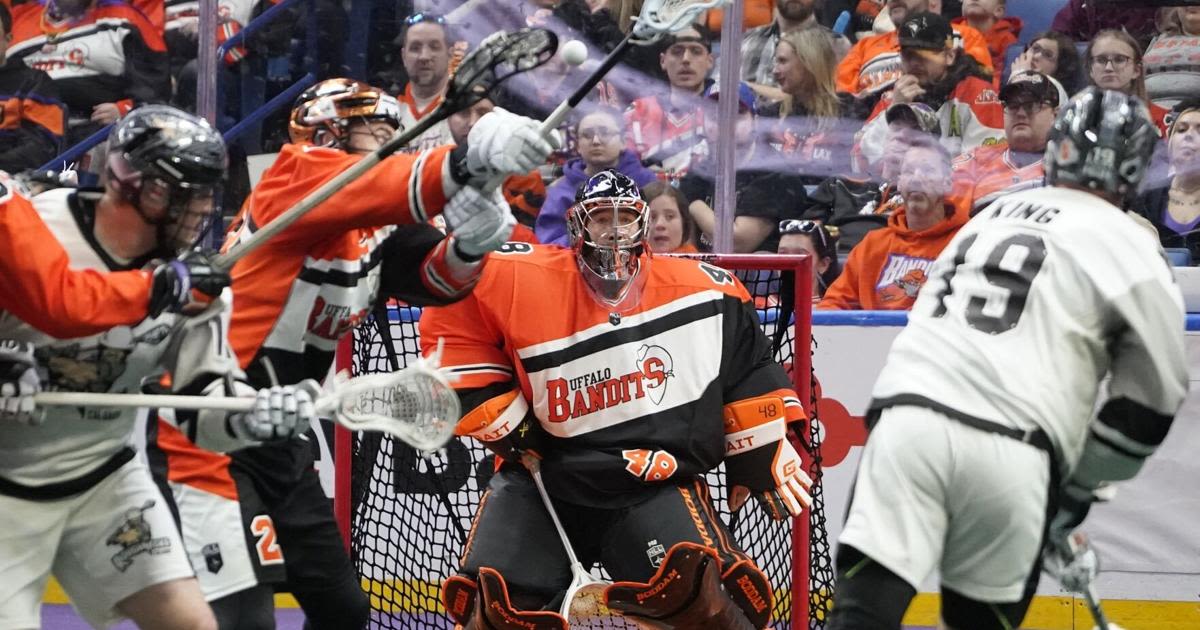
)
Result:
{"points": [[1029, 307]]}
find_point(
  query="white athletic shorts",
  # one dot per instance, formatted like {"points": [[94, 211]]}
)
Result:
{"points": [[933, 493], [102, 545]]}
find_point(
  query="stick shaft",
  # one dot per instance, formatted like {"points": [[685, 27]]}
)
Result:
{"points": [[226, 260], [88, 399], [562, 533]]}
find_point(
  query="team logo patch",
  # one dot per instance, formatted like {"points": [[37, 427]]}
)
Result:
{"points": [[569, 398], [212, 557], [902, 277], [134, 537], [656, 366], [655, 552]]}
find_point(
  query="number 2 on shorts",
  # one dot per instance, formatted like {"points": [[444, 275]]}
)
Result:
{"points": [[268, 549]]}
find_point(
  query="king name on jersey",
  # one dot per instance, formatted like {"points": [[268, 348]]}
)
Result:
{"points": [[577, 396], [1021, 209]]}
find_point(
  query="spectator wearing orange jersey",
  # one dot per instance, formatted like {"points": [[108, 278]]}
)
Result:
{"points": [[889, 266], [999, 30], [873, 64], [33, 120], [940, 76], [1031, 101]]}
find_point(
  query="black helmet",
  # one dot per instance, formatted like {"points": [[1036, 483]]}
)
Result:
{"points": [[1102, 140], [163, 151], [607, 230]]}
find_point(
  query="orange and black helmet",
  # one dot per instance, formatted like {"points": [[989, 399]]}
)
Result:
{"points": [[323, 112]]}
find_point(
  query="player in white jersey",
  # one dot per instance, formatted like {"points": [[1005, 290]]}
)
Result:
{"points": [[75, 499], [983, 444]]}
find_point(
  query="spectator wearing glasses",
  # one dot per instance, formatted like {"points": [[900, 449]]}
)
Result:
{"points": [[1172, 59], [672, 230], [600, 145], [801, 236], [1115, 63], [1031, 101], [887, 269], [425, 50], [938, 75], [1173, 208], [1052, 54], [667, 130], [31, 129]]}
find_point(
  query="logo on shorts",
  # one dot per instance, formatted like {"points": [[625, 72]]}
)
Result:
{"points": [[134, 537], [656, 553], [212, 557]]}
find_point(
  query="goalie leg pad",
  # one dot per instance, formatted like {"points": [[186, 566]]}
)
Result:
{"points": [[494, 611], [750, 590], [685, 593], [458, 596]]}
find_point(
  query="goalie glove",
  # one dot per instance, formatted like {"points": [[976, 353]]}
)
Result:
{"points": [[19, 383], [760, 460], [505, 426], [503, 144], [280, 413], [479, 223], [186, 285]]}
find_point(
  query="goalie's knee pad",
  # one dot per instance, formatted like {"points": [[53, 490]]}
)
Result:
{"points": [[484, 605], [685, 593]]}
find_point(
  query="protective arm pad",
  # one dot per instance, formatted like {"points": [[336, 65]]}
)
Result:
{"points": [[753, 423], [1123, 435]]}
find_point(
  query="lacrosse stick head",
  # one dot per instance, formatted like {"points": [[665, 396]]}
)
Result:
{"points": [[583, 605], [416, 405], [659, 17], [498, 58]]}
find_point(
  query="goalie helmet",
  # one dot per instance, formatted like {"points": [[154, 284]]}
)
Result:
{"points": [[168, 164], [1102, 140], [607, 230], [323, 112]]}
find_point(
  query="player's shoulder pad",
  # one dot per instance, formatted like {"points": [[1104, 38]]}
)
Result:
{"points": [[699, 274]]}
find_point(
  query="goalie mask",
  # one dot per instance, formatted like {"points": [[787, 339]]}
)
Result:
{"points": [[323, 113], [1102, 140], [607, 231], [167, 164]]}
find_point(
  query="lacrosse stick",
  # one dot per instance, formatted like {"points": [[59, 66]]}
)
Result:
{"points": [[416, 404], [1075, 565], [497, 59], [584, 601]]}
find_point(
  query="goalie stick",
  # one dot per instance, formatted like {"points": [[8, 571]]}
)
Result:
{"points": [[497, 59], [416, 404], [584, 599]]}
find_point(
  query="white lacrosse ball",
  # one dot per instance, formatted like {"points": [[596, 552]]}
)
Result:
{"points": [[574, 52]]}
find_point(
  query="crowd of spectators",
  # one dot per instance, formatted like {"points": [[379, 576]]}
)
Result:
{"points": [[865, 141]]}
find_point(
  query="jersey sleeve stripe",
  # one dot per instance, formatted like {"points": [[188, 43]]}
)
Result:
{"points": [[480, 368], [1131, 428], [415, 201]]}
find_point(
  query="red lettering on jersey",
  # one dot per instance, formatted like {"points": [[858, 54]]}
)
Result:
{"points": [[559, 408], [579, 404], [654, 370]]}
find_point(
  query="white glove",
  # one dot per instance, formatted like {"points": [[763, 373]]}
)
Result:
{"points": [[280, 413], [478, 223], [18, 383], [503, 144]]}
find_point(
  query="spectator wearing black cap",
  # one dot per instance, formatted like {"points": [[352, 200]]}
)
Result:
{"points": [[31, 129], [1173, 207], [953, 84], [764, 195], [667, 130], [1031, 101], [859, 203]]}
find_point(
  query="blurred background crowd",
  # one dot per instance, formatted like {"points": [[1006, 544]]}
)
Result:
{"points": [[867, 131]]}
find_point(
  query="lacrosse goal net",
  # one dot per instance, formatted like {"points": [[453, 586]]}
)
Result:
{"points": [[406, 517]]}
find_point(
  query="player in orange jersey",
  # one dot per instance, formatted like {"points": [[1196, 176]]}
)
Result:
{"points": [[630, 378], [297, 296]]}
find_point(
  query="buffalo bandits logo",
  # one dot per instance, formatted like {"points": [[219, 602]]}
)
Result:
{"points": [[581, 395], [134, 537], [656, 365]]}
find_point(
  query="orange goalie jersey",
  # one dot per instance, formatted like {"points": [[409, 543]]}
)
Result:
{"points": [[618, 403]]}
